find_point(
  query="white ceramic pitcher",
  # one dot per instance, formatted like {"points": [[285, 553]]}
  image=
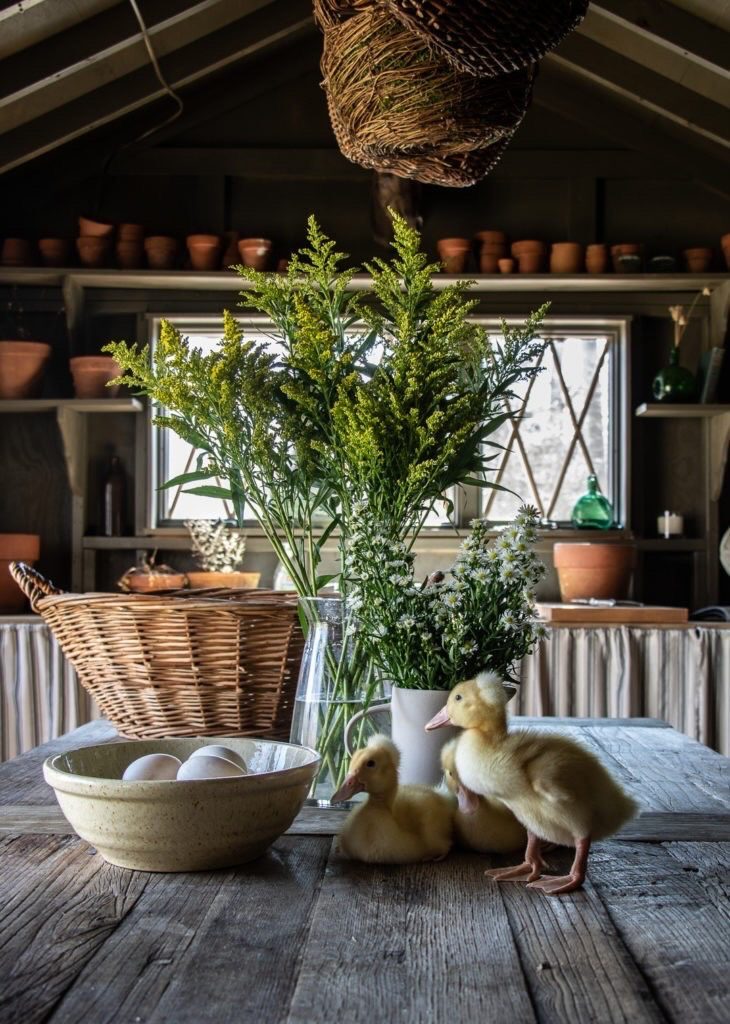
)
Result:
{"points": [[420, 751]]}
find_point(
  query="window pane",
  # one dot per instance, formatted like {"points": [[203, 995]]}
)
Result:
{"points": [[563, 434]]}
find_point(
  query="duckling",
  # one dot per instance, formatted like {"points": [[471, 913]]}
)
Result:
{"points": [[480, 823], [558, 790], [397, 824]]}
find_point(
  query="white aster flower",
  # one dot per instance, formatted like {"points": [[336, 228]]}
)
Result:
{"points": [[508, 621], [451, 599]]}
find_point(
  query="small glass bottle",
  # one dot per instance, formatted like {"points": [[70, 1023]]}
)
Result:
{"points": [[113, 499], [592, 511], [674, 383]]}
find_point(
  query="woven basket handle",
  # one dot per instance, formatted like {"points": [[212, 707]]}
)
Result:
{"points": [[33, 585]]}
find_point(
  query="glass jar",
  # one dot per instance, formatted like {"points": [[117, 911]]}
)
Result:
{"points": [[592, 511], [336, 680]]}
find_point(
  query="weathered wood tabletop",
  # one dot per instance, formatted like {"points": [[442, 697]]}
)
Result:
{"points": [[302, 936]]}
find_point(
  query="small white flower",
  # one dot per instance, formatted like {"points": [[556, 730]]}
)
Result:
{"points": [[481, 575], [451, 599], [508, 574], [406, 622], [508, 621], [425, 637]]}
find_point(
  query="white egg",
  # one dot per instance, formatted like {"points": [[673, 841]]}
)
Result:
{"points": [[208, 766], [217, 750], [152, 768]]}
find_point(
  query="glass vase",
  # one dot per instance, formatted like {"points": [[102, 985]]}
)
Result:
{"points": [[336, 680], [592, 511], [674, 383]]}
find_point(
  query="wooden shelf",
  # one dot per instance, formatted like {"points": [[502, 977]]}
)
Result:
{"points": [[19, 618], [678, 544], [660, 410], [226, 280], [86, 405]]}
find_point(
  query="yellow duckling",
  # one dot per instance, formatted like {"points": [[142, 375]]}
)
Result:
{"points": [[558, 790], [396, 824], [480, 823]]}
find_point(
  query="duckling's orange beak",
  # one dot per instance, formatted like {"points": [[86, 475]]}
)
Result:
{"points": [[440, 719], [347, 790]]}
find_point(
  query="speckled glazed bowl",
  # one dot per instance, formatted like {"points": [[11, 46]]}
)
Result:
{"points": [[181, 826]]}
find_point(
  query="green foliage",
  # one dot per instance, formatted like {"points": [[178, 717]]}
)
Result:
{"points": [[310, 429]]}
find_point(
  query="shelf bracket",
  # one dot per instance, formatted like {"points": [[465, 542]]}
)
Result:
{"points": [[72, 425], [719, 444]]}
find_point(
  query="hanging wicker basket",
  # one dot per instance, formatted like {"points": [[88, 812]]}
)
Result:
{"points": [[397, 98], [488, 37], [220, 664]]}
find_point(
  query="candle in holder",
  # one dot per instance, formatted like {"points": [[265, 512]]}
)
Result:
{"points": [[670, 524]]}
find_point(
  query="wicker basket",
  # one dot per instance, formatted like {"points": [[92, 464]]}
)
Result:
{"points": [[488, 37], [219, 663], [399, 98]]}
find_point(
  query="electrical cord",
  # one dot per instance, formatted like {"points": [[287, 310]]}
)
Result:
{"points": [[158, 72]]}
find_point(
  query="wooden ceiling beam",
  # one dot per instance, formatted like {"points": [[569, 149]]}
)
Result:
{"points": [[267, 29], [630, 35], [579, 100], [642, 87], [665, 24], [29, 22], [104, 50]]}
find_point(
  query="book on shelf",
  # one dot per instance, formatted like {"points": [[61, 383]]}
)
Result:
{"points": [[709, 374]]}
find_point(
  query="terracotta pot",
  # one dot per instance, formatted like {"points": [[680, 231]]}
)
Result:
{"points": [[491, 237], [15, 547], [697, 260], [94, 228], [597, 258], [54, 252], [16, 252], [152, 582], [130, 233], [21, 368], [453, 253], [255, 252], [231, 580], [204, 251], [529, 245], [599, 570], [624, 249], [162, 252], [566, 258], [91, 374], [506, 266], [130, 255], [531, 262], [488, 263], [94, 252], [282, 266]]}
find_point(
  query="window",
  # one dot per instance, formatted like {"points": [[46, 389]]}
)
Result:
{"points": [[572, 423]]}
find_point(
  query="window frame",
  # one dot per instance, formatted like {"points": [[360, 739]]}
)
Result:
{"points": [[467, 499]]}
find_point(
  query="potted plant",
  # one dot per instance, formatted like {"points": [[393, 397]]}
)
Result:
{"points": [[219, 549], [426, 639], [305, 433]]}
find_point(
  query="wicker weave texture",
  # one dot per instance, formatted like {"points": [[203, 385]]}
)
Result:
{"points": [[489, 37], [399, 98], [220, 664]]}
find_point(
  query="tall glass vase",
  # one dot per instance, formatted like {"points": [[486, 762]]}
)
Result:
{"points": [[336, 680]]}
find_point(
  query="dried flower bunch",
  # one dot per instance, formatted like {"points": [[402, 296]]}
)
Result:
{"points": [[216, 546], [479, 616], [682, 318]]}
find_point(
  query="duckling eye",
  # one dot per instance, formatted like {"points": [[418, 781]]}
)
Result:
{"points": [[457, 696], [370, 763]]}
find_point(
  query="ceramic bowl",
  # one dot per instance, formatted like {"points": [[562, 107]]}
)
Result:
{"points": [[181, 826]]}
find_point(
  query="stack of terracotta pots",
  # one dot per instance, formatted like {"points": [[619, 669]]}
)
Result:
{"points": [[697, 261], [130, 246], [492, 250], [597, 258], [255, 252], [626, 257], [530, 256], [162, 252], [15, 252], [94, 244]]}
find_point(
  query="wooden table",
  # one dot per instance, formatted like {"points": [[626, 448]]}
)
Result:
{"points": [[301, 936]]}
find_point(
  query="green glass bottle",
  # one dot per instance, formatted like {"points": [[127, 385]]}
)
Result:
{"points": [[674, 383], [592, 511]]}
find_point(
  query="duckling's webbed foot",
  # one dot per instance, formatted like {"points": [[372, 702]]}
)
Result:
{"points": [[529, 871], [556, 885]]}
